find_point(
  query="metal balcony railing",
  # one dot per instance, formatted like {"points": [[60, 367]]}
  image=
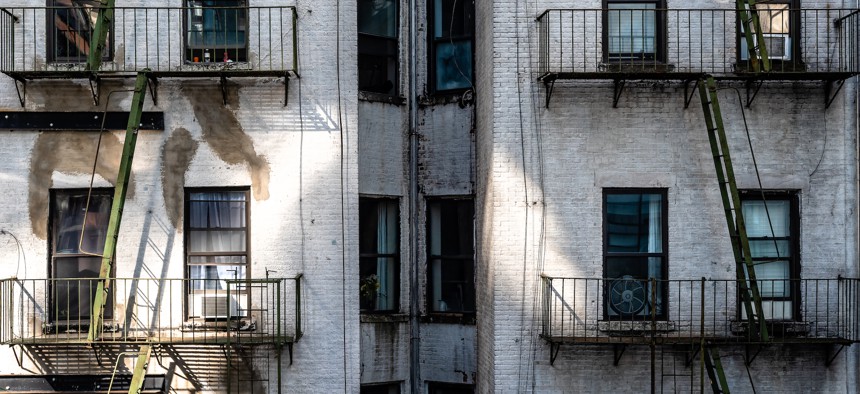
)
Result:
{"points": [[167, 311], [50, 41], [674, 43], [627, 310]]}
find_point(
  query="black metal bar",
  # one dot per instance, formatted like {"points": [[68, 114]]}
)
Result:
{"points": [[53, 120], [618, 86], [829, 93]]}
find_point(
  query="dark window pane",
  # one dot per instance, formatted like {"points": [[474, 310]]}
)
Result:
{"points": [[78, 228], [451, 44], [71, 23], [453, 65], [216, 30], [634, 223], [379, 240], [452, 18], [451, 266], [377, 17]]}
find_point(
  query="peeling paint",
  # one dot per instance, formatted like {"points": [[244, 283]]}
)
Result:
{"points": [[71, 153], [224, 134], [176, 155]]}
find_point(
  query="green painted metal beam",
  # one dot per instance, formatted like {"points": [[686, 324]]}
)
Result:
{"points": [[140, 369], [744, 268], [120, 189], [98, 40], [716, 373], [751, 26]]}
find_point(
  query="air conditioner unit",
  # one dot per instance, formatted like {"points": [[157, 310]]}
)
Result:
{"points": [[778, 46], [216, 306]]}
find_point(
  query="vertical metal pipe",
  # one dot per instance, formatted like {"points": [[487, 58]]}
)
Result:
{"points": [[414, 299]]}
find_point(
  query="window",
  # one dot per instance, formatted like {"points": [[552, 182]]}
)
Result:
{"points": [[452, 26], [451, 255], [380, 388], [216, 245], [772, 220], [778, 25], [449, 388], [634, 251], [379, 240], [71, 24], [633, 30], [78, 233], [377, 46], [216, 31]]}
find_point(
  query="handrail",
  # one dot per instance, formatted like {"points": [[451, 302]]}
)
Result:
{"points": [[14, 18]]}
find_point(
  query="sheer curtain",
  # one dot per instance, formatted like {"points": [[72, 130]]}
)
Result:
{"points": [[632, 28], [217, 221], [386, 238]]}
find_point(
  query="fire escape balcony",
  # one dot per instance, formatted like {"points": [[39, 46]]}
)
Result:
{"points": [[638, 311], [182, 42], [626, 43], [235, 312]]}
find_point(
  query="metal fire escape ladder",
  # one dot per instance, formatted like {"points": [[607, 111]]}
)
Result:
{"points": [[98, 41], [751, 29], [120, 189], [744, 268], [714, 368]]}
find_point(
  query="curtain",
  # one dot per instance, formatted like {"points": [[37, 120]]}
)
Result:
{"points": [[386, 238], [632, 28], [773, 244], [217, 224]]}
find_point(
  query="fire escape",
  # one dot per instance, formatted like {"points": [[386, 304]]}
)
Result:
{"points": [[245, 323], [693, 47]]}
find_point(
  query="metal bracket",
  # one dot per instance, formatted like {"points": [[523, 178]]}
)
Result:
{"points": [[95, 88], [20, 360], [752, 86], [829, 359], [290, 351], [553, 352], [749, 356], [617, 352], [153, 88], [22, 91], [688, 361], [549, 85], [829, 93], [286, 88], [224, 88], [688, 93], [618, 89]]}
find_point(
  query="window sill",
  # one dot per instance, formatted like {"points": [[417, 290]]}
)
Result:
{"points": [[379, 317], [635, 327], [466, 319], [777, 328], [636, 66], [200, 324], [461, 98], [374, 97]]}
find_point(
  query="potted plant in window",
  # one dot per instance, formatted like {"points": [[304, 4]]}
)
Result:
{"points": [[368, 290]]}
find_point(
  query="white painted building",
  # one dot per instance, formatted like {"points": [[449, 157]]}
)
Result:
{"points": [[435, 196]]}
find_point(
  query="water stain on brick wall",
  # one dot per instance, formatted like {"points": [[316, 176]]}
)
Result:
{"points": [[71, 153], [224, 134], [176, 155]]}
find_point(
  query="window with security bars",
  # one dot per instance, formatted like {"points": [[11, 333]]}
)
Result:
{"points": [[71, 24]]}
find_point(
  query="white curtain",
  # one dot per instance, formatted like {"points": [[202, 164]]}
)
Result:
{"points": [[632, 28], [386, 239], [217, 224], [764, 245]]}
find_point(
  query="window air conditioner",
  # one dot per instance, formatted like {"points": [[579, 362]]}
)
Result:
{"points": [[778, 46], [215, 306]]}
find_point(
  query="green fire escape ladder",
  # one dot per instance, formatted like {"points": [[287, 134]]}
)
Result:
{"points": [[751, 29], [714, 368], [121, 187], [744, 268], [98, 40]]}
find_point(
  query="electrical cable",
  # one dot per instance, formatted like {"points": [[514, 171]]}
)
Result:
{"points": [[342, 193], [451, 41], [21, 254], [823, 148]]}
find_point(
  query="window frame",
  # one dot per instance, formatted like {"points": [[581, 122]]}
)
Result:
{"points": [[794, 34], [663, 255], [463, 258], [395, 280], [660, 34], [189, 292], [368, 43], [236, 53], [51, 44], [794, 260], [54, 255], [433, 42]]}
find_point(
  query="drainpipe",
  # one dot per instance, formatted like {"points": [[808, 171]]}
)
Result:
{"points": [[414, 298]]}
